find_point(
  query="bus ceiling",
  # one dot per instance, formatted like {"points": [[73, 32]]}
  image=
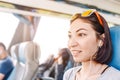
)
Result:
{"points": [[63, 8]]}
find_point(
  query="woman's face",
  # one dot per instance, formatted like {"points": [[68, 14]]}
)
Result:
{"points": [[83, 42]]}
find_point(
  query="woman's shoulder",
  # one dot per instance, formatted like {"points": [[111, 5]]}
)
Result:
{"points": [[111, 74], [70, 73], [114, 71]]}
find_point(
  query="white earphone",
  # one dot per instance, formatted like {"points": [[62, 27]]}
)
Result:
{"points": [[100, 43]]}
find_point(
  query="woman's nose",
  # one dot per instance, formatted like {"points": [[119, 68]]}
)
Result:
{"points": [[72, 43]]}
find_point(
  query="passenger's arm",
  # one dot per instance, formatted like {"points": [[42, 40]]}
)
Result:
{"points": [[1, 76]]}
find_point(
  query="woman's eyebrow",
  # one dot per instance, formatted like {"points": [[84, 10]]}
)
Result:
{"points": [[78, 30], [81, 29]]}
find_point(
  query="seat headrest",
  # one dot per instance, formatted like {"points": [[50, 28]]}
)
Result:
{"points": [[28, 50], [115, 37]]}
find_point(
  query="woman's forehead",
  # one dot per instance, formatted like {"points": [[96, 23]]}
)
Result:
{"points": [[80, 24]]}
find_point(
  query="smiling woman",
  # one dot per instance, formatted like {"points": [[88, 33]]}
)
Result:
{"points": [[90, 43], [89, 39]]}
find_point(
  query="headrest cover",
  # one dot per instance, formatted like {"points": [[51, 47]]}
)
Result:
{"points": [[115, 37], [28, 50], [21, 51]]}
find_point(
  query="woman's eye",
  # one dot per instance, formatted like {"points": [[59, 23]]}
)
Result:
{"points": [[82, 34]]}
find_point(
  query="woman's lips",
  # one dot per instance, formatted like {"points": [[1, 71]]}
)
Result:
{"points": [[76, 52]]}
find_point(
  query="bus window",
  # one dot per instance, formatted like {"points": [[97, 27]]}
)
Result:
{"points": [[8, 25], [51, 35]]}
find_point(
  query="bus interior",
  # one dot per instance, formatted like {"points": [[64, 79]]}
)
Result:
{"points": [[39, 27]]}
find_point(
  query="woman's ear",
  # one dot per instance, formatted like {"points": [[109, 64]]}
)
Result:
{"points": [[100, 43]]}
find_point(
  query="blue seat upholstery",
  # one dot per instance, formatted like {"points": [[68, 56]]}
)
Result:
{"points": [[115, 35]]}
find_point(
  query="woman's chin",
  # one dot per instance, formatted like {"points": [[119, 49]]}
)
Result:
{"points": [[77, 60], [80, 60]]}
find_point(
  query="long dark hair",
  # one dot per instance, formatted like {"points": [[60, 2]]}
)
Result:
{"points": [[65, 54]]}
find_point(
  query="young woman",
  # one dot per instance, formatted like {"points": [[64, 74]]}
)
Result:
{"points": [[62, 63], [90, 44]]}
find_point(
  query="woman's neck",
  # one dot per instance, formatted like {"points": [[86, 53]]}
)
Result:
{"points": [[91, 70], [91, 67]]}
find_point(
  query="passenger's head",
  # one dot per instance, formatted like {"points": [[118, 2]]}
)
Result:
{"points": [[89, 37], [2, 48], [65, 54]]}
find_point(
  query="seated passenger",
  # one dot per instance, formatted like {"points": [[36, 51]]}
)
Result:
{"points": [[44, 68], [64, 62], [90, 43], [6, 65], [54, 67]]}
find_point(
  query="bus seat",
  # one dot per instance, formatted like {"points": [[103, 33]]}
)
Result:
{"points": [[19, 66], [27, 60], [115, 36]]}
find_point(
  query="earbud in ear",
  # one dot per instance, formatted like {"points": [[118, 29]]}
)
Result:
{"points": [[100, 43]]}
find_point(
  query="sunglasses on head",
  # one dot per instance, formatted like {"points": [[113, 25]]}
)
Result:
{"points": [[87, 14]]}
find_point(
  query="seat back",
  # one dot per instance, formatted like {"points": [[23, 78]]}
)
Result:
{"points": [[27, 60], [115, 36], [32, 53], [18, 70]]}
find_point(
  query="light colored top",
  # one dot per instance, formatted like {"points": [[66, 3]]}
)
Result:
{"points": [[109, 74]]}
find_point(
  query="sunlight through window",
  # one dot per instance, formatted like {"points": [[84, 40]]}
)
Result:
{"points": [[8, 25], [51, 35]]}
